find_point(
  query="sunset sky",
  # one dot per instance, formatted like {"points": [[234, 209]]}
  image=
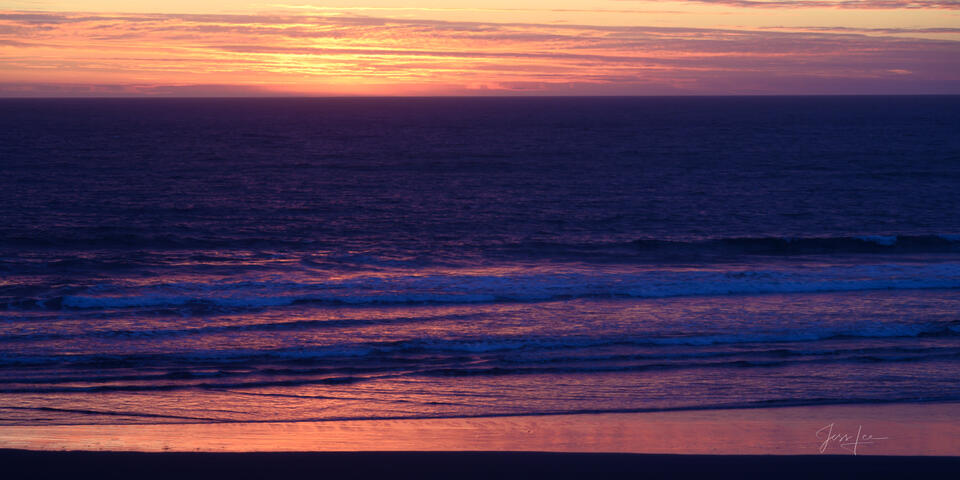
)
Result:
{"points": [[468, 47]]}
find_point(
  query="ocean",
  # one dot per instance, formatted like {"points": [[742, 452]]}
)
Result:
{"points": [[288, 260]]}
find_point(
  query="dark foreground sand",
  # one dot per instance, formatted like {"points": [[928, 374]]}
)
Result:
{"points": [[17, 464]]}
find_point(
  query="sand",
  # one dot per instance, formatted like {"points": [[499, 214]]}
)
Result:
{"points": [[896, 441], [922, 429], [458, 465]]}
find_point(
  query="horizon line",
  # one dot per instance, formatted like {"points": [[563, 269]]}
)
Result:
{"points": [[693, 95]]}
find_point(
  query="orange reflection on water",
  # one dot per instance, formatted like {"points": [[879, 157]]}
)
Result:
{"points": [[908, 429]]}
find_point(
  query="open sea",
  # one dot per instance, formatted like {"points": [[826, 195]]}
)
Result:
{"points": [[272, 260]]}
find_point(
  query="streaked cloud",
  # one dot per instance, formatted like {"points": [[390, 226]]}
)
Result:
{"points": [[128, 90], [851, 4], [846, 4], [203, 54]]}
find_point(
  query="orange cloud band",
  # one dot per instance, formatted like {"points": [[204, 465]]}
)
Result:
{"points": [[115, 54]]}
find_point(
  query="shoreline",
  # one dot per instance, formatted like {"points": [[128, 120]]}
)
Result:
{"points": [[102, 465], [907, 429]]}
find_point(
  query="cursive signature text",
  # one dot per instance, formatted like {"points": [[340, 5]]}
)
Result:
{"points": [[846, 441]]}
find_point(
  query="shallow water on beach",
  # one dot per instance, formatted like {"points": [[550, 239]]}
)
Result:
{"points": [[305, 363], [210, 261]]}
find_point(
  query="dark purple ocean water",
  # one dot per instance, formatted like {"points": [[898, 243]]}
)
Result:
{"points": [[211, 260]]}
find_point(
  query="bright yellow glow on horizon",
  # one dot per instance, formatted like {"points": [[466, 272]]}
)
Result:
{"points": [[415, 47]]}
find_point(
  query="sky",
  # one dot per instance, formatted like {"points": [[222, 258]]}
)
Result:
{"points": [[469, 47]]}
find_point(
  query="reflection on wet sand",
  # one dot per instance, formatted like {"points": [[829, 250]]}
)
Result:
{"points": [[907, 429]]}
